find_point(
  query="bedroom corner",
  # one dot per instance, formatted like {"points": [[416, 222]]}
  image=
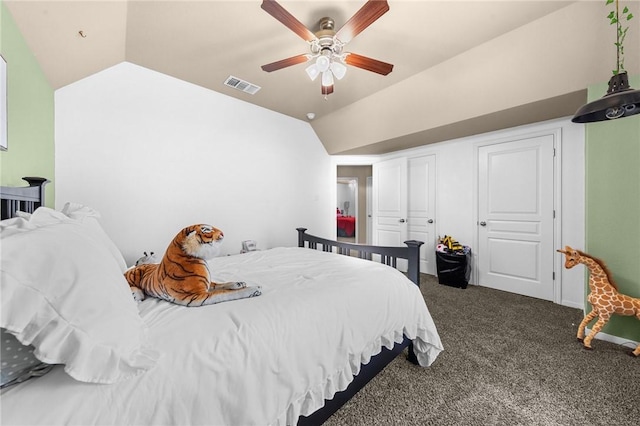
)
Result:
{"points": [[613, 205], [30, 112]]}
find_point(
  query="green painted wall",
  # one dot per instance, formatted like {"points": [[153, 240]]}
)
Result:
{"points": [[613, 204], [30, 112]]}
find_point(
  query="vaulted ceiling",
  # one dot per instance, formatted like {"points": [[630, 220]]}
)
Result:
{"points": [[460, 67]]}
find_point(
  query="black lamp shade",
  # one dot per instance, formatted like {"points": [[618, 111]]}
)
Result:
{"points": [[620, 101]]}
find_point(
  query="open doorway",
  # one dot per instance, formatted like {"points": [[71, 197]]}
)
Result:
{"points": [[347, 209], [354, 181]]}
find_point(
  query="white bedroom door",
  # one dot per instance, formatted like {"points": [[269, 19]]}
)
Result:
{"points": [[421, 208], [516, 216]]}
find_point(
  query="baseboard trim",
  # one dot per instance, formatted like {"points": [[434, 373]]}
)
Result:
{"points": [[613, 339], [570, 304]]}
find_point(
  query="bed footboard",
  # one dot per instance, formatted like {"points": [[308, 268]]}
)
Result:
{"points": [[388, 255]]}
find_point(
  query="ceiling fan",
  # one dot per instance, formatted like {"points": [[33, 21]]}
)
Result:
{"points": [[326, 45]]}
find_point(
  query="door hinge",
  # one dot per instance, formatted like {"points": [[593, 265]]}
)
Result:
{"points": [[554, 276], [554, 214], [554, 152]]}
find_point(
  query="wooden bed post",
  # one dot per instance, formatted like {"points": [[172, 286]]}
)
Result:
{"points": [[414, 260], [39, 182], [301, 232]]}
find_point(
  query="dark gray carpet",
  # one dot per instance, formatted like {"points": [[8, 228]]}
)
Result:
{"points": [[508, 360]]}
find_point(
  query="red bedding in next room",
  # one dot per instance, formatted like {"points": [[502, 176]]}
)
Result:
{"points": [[346, 226]]}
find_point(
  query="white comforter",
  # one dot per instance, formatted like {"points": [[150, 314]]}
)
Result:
{"points": [[257, 361]]}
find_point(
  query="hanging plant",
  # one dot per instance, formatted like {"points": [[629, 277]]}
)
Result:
{"points": [[620, 100], [616, 18]]}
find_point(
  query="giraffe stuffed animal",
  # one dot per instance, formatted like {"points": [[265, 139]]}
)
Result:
{"points": [[604, 297]]}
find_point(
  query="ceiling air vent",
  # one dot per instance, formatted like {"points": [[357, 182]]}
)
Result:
{"points": [[241, 85]]}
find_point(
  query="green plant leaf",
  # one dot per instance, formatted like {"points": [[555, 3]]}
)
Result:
{"points": [[629, 16], [611, 15], [625, 10], [609, 1]]}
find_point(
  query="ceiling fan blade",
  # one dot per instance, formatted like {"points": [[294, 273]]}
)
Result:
{"points": [[274, 9], [294, 60], [368, 14], [327, 90], [368, 64]]}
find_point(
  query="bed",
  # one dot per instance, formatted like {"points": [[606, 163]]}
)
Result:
{"points": [[346, 226], [328, 320]]}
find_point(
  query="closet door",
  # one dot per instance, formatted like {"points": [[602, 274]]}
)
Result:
{"points": [[516, 216], [421, 208], [390, 202], [404, 205], [369, 210]]}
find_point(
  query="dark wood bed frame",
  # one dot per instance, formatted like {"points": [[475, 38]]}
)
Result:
{"points": [[29, 198], [26, 198]]}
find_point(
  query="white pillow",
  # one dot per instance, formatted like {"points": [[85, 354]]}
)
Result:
{"points": [[82, 214], [89, 217], [64, 293]]}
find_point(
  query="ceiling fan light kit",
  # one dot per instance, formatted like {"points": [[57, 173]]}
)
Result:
{"points": [[621, 100], [312, 71], [327, 78], [338, 69], [326, 45]]}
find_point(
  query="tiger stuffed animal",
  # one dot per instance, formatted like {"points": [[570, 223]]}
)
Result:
{"points": [[182, 277]]}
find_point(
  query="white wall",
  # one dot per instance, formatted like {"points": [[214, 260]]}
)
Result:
{"points": [[456, 188], [154, 154]]}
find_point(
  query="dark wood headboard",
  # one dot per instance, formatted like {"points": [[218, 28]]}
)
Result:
{"points": [[25, 198]]}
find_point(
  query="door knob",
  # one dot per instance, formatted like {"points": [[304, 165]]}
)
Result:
{"points": [[483, 223], [401, 221], [430, 221]]}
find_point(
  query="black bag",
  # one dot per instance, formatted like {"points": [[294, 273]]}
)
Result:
{"points": [[454, 269]]}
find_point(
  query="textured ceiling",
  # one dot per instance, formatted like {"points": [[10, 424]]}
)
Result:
{"points": [[203, 42]]}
